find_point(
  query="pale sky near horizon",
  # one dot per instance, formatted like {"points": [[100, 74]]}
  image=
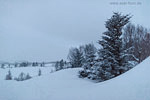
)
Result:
{"points": [[44, 30]]}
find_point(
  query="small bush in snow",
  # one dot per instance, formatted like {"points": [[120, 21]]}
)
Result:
{"points": [[3, 66], [82, 74], [8, 76], [39, 73], [28, 77], [51, 71], [22, 77]]}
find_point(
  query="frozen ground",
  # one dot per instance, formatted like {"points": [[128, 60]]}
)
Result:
{"points": [[65, 85], [33, 71]]}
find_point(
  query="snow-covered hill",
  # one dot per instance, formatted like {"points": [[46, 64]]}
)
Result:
{"points": [[65, 85]]}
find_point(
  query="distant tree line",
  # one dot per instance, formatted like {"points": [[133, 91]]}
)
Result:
{"points": [[23, 64]]}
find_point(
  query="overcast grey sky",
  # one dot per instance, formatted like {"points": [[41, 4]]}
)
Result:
{"points": [[44, 30]]}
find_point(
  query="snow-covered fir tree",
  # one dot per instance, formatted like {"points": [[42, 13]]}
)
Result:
{"points": [[60, 65], [9, 76], [39, 72], [75, 57], [57, 66], [3, 66], [112, 59], [22, 76], [89, 57], [28, 76]]}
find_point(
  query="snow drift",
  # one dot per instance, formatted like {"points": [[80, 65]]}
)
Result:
{"points": [[65, 85]]}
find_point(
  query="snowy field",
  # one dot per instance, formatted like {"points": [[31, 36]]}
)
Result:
{"points": [[33, 71], [65, 85]]}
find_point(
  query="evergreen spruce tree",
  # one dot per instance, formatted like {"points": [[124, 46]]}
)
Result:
{"points": [[9, 76], [75, 57], [61, 64], [112, 54], [28, 76], [89, 56], [3, 66], [39, 72], [22, 76], [57, 64]]}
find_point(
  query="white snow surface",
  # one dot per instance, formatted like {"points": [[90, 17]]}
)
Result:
{"points": [[65, 85]]}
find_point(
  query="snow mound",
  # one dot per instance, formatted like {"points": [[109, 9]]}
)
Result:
{"points": [[65, 85], [132, 85]]}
